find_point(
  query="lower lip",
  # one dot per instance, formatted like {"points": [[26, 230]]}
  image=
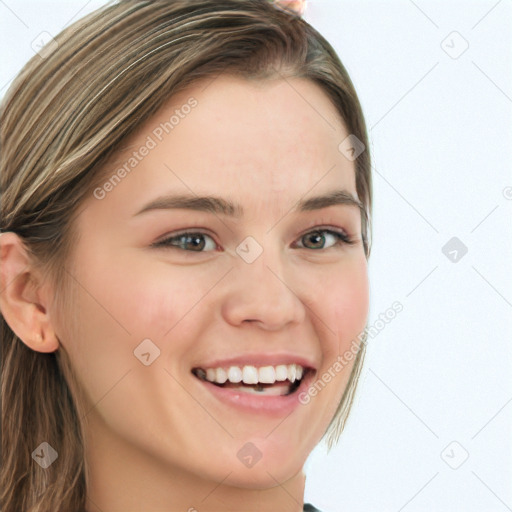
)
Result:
{"points": [[269, 405]]}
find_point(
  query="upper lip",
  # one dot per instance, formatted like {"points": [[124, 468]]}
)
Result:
{"points": [[258, 360]]}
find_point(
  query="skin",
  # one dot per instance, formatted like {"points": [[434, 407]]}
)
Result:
{"points": [[158, 440]]}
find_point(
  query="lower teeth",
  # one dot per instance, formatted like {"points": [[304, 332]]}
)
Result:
{"points": [[274, 390]]}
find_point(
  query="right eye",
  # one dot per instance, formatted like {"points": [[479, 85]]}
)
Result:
{"points": [[194, 240]]}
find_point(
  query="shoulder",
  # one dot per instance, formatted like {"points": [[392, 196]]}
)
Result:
{"points": [[309, 508]]}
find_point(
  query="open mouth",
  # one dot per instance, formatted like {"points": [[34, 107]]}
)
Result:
{"points": [[278, 388]]}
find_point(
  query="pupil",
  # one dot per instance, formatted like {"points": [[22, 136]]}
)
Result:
{"points": [[317, 236], [196, 241]]}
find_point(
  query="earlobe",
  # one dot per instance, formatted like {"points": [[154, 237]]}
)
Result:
{"points": [[20, 303]]}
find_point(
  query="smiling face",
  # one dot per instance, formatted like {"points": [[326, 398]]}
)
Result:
{"points": [[261, 281]]}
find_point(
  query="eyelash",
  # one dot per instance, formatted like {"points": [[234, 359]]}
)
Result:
{"points": [[343, 239]]}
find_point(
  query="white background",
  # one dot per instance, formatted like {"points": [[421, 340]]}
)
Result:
{"points": [[437, 382]]}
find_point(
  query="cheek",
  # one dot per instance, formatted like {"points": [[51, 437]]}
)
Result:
{"points": [[348, 303], [138, 296], [118, 308], [116, 305], [163, 301], [138, 300], [342, 306]]}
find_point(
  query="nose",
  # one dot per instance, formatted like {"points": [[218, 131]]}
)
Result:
{"points": [[258, 293]]}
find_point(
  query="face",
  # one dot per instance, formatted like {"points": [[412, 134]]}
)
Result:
{"points": [[172, 289]]}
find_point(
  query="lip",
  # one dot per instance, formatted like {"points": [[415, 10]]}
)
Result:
{"points": [[258, 360], [272, 406]]}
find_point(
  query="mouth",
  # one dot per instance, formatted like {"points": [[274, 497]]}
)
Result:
{"points": [[280, 380]]}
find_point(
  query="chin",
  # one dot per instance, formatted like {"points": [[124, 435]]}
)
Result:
{"points": [[266, 466], [262, 477]]}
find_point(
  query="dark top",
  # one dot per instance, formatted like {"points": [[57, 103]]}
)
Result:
{"points": [[309, 508]]}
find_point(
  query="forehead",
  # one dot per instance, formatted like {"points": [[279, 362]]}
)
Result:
{"points": [[269, 141]]}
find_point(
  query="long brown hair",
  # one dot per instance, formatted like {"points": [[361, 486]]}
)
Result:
{"points": [[65, 113]]}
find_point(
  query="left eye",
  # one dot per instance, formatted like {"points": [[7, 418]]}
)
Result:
{"points": [[197, 244], [317, 234]]}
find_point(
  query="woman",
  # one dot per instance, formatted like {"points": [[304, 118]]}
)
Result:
{"points": [[186, 197]]}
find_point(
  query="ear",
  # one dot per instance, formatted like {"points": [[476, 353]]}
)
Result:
{"points": [[21, 299]]}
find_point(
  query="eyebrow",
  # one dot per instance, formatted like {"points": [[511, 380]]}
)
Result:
{"points": [[219, 205]]}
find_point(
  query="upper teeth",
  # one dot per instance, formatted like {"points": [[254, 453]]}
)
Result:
{"points": [[253, 375]]}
